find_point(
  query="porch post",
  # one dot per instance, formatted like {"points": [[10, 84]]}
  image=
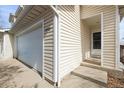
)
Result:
{"points": [[117, 38]]}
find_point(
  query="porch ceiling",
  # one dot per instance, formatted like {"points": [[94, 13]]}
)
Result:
{"points": [[93, 21], [34, 13]]}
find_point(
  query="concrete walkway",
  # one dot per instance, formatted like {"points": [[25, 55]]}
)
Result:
{"points": [[85, 77], [15, 74], [73, 81], [95, 74]]}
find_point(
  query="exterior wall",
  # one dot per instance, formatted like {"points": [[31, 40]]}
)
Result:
{"points": [[1, 44], [7, 45], [70, 39], [86, 33], [47, 16], [48, 44], [96, 29], [86, 40], [109, 30]]}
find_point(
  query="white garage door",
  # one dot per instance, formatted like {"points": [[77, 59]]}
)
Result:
{"points": [[29, 48]]}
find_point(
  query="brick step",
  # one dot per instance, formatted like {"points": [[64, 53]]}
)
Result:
{"points": [[91, 74]]}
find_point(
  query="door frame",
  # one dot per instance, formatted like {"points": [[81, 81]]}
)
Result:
{"points": [[35, 25]]}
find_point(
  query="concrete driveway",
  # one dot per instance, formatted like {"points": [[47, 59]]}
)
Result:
{"points": [[15, 74]]}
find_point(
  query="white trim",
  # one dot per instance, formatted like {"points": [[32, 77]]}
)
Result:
{"points": [[30, 27], [117, 58], [58, 49], [37, 24], [102, 43], [55, 49], [56, 46], [116, 33], [43, 49]]}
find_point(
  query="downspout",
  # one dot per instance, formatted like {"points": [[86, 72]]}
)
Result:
{"points": [[56, 47]]}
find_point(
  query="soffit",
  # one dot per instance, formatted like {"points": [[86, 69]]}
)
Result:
{"points": [[34, 13]]}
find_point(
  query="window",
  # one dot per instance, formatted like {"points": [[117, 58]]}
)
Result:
{"points": [[97, 40]]}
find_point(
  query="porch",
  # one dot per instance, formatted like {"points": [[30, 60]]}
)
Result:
{"points": [[92, 40]]}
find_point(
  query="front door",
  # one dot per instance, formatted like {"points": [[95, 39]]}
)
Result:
{"points": [[96, 44]]}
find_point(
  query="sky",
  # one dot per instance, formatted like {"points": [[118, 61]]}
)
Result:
{"points": [[122, 30], [5, 10]]}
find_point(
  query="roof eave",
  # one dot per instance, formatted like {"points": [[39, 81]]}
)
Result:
{"points": [[20, 16]]}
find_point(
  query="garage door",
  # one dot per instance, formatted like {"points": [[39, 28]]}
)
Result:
{"points": [[29, 48]]}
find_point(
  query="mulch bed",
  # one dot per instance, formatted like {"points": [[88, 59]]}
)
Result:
{"points": [[115, 79]]}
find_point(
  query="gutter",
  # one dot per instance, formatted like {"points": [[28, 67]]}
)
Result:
{"points": [[21, 15], [56, 47]]}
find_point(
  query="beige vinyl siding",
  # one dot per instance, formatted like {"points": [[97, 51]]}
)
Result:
{"points": [[1, 35], [48, 44], [109, 28], [70, 39], [8, 45], [1, 44], [47, 16], [86, 40]]}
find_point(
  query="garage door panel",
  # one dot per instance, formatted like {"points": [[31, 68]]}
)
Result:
{"points": [[30, 48]]}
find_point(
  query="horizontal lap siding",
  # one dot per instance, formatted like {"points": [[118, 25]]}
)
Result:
{"points": [[70, 41], [86, 40], [48, 44], [109, 28]]}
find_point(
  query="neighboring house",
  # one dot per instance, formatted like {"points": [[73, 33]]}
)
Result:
{"points": [[56, 39], [1, 43], [6, 42]]}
